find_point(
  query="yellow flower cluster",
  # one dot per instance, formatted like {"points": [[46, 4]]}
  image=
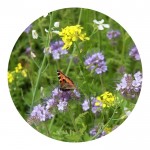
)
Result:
{"points": [[18, 69], [71, 34], [107, 99], [107, 130], [10, 77]]}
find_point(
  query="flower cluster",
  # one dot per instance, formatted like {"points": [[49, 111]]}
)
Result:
{"points": [[10, 77], [71, 34], [56, 49], [113, 34], [130, 86], [17, 71], [134, 53], [41, 113], [58, 100], [94, 131], [107, 99], [96, 63], [91, 103]]}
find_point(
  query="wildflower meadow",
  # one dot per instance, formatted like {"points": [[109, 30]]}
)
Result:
{"points": [[75, 75]]}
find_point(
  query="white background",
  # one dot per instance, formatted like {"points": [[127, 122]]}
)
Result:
{"points": [[16, 15]]}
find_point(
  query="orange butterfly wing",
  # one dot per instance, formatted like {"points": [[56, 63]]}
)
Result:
{"points": [[65, 82]]}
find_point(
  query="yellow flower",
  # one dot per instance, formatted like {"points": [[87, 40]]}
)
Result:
{"points": [[71, 34], [18, 68], [24, 73], [107, 99], [10, 77], [107, 130]]}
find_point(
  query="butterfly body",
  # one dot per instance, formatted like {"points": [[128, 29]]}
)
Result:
{"points": [[66, 83]]}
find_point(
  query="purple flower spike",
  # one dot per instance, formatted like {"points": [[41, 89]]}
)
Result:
{"points": [[113, 34], [96, 62], [130, 86], [56, 49], [134, 53], [41, 113]]}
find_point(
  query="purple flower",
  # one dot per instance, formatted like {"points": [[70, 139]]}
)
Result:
{"points": [[56, 49], [134, 53], [28, 50], [59, 99], [62, 105], [41, 113], [91, 102], [96, 63], [94, 131], [59, 95], [113, 34], [95, 109], [85, 105], [130, 86], [27, 30]]}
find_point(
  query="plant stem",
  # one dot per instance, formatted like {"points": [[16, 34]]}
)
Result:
{"points": [[42, 65], [37, 81], [70, 62], [101, 83], [99, 40], [79, 20], [100, 130]]}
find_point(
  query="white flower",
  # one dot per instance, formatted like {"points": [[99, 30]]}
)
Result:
{"points": [[47, 50], [55, 31], [56, 24], [127, 111], [32, 55], [34, 34], [101, 24], [46, 30]]}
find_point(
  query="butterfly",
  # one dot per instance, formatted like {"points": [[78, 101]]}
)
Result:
{"points": [[66, 83]]}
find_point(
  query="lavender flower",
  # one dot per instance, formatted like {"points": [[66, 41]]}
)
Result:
{"points": [[62, 105], [96, 63], [113, 34], [91, 102], [94, 131], [56, 49], [58, 100], [85, 105], [40, 113], [28, 50], [27, 30], [59, 95], [95, 109], [130, 86], [134, 53]]}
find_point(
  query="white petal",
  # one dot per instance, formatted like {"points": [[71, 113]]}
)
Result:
{"points": [[101, 22], [33, 55], [106, 25], [56, 24], [34, 34], [95, 21], [46, 30], [100, 27], [55, 31]]}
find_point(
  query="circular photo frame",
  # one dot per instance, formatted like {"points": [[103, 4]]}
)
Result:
{"points": [[75, 75]]}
